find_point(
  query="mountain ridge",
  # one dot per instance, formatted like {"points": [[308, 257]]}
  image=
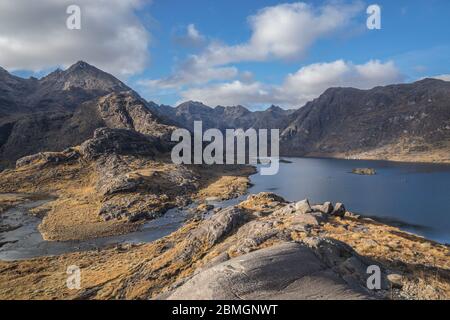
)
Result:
{"points": [[64, 108], [407, 122]]}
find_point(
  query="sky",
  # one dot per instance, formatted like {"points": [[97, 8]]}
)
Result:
{"points": [[228, 52]]}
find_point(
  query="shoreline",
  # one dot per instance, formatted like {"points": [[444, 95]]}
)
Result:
{"points": [[443, 163], [263, 219]]}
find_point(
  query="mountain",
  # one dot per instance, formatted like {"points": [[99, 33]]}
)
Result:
{"points": [[64, 108], [409, 122], [58, 91], [223, 118], [398, 122]]}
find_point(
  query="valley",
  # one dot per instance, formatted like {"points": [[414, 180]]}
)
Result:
{"points": [[88, 178]]}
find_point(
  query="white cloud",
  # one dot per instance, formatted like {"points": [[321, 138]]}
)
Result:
{"points": [[298, 88], [194, 34], [445, 77], [34, 35], [191, 38], [310, 81], [192, 74], [231, 93], [284, 31]]}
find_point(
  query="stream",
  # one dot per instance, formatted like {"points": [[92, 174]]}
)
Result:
{"points": [[414, 197]]}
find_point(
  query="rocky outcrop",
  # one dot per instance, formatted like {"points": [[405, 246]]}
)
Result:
{"points": [[219, 225], [286, 271], [128, 111], [65, 108], [54, 132], [67, 155], [118, 141], [249, 251]]}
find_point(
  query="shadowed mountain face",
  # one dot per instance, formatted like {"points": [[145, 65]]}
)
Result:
{"points": [[58, 91], [407, 119], [64, 108], [399, 122], [408, 122]]}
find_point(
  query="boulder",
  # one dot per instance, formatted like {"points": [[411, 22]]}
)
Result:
{"points": [[285, 271], [286, 210], [219, 225], [302, 207], [306, 219], [339, 210], [396, 280], [326, 208], [351, 215]]}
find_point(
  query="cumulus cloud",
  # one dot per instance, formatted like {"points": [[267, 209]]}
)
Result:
{"points": [[192, 74], [191, 38], [310, 81], [231, 93], [284, 31], [299, 87], [34, 35]]}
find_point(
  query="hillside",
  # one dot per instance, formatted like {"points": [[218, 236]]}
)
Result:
{"points": [[407, 122], [399, 122], [64, 108]]}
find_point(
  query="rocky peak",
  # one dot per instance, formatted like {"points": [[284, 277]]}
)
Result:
{"points": [[80, 65], [236, 110], [82, 75], [192, 107]]}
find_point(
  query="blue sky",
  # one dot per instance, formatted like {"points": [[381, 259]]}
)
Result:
{"points": [[230, 53]]}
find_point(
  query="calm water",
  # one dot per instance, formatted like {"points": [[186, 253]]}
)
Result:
{"points": [[415, 197], [25, 240]]}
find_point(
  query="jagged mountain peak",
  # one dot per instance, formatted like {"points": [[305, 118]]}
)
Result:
{"points": [[193, 106], [274, 108], [85, 76], [81, 65]]}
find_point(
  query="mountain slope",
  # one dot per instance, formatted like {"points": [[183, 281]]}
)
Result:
{"points": [[58, 91], [55, 131], [408, 122], [64, 109], [399, 122]]}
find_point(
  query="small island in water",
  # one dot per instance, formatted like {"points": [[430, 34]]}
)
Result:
{"points": [[364, 171]]}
